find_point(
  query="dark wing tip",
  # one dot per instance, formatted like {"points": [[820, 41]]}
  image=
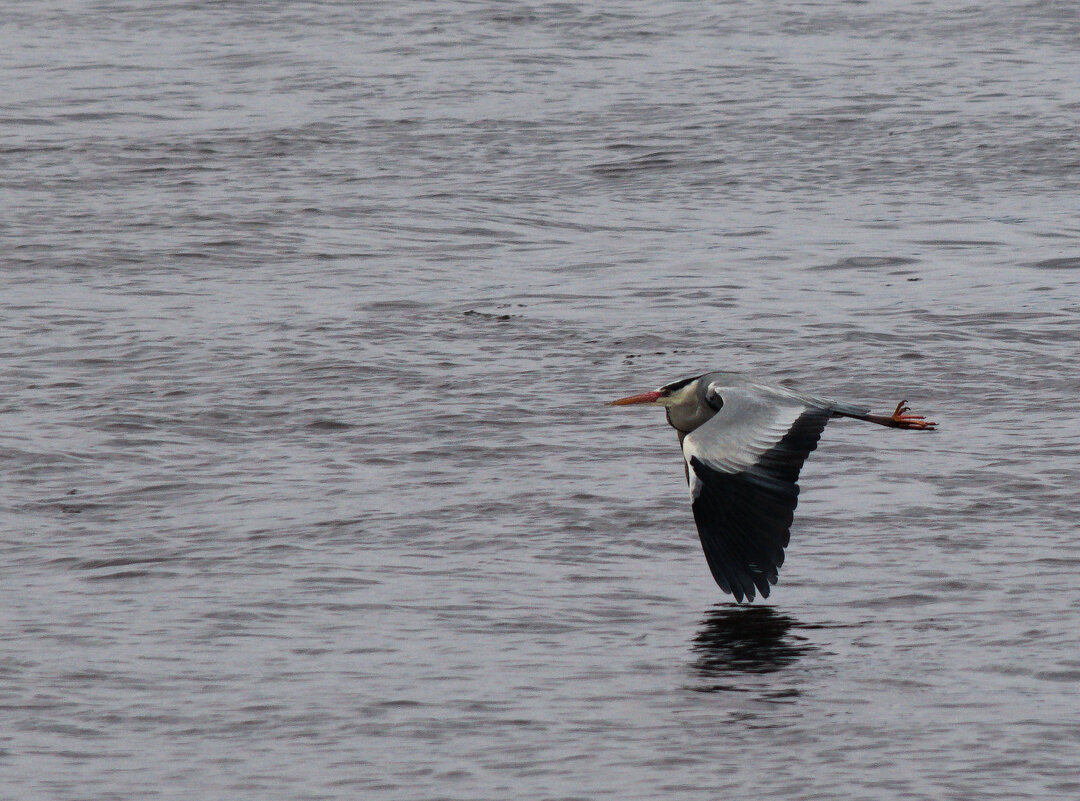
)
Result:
{"points": [[744, 518]]}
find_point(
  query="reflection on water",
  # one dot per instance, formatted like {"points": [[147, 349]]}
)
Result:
{"points": [[734, 640]]}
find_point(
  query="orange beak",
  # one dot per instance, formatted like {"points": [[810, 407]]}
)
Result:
{"points": [[644, 397]]}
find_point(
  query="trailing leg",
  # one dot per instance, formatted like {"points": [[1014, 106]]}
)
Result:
{"points": [[900, 418]]}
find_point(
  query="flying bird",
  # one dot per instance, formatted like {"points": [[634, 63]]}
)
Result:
{"points": [[743, 446]]}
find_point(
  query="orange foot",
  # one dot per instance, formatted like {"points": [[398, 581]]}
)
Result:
{"points": [[901, 419]]}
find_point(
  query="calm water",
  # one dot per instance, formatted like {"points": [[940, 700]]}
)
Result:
{"points": [[309, 310]]}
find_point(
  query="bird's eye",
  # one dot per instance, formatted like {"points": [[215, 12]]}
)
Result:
{"points": [[674, 386]]}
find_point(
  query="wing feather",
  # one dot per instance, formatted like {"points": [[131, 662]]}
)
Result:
{"points": [[744, 466]]}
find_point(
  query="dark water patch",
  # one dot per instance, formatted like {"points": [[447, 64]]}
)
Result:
{"points": [[960, 243], [125, 575], [79, 508], [749, 232], [393, 305], [120, 561], [903, 600], [329, 425], [1054, 235], [1061, 263], [498, 318], [1071, 676], [647, 162], [1059, 561], [867, 263], [337, 582]]}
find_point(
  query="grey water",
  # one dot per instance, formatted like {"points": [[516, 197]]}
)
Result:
{"points": [[309, 311]]}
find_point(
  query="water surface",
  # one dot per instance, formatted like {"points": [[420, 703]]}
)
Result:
{"points": [[309, 313]]}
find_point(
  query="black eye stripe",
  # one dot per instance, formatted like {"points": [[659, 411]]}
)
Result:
{"points": [[667, 389]]}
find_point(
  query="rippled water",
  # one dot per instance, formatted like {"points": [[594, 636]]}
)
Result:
{"points": [[309, 313]]}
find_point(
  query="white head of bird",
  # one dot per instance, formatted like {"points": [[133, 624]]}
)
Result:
{"points": [[686, 402]]}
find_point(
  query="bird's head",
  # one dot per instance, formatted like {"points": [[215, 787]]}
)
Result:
{"points": [[669, 395]]}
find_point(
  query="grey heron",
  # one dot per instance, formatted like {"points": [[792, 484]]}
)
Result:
{"points": [[743, 446]]}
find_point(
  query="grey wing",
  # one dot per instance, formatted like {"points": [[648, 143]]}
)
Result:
{"points": [[744, 467]]}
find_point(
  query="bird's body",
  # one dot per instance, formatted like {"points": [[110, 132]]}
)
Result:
{"points": [[744, 444]]}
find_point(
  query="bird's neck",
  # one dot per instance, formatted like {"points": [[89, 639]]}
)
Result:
{"points": [[684, 420]]}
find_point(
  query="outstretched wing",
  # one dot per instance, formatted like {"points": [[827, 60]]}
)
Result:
{"points": [[743, 468]]}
